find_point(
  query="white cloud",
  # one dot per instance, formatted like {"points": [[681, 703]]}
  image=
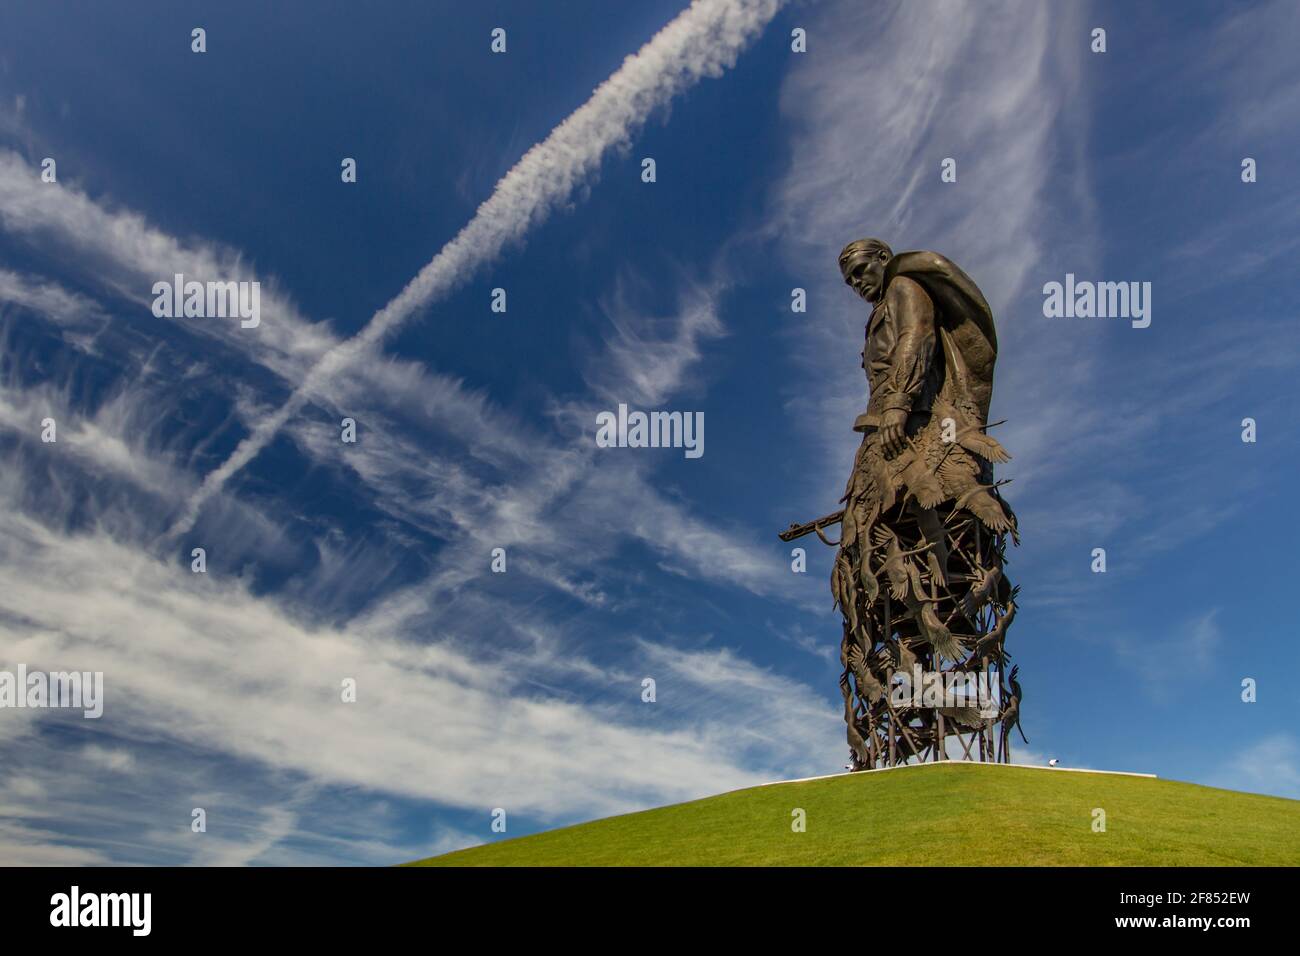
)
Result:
{"points": [[115, 759], [646, 360], [201, 661], [125, 255], [41, 295], [1270, 765], [1166, 661]]}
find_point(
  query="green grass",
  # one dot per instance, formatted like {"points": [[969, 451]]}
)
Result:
{"points": [[935, 815]]}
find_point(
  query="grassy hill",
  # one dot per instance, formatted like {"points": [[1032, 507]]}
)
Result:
{"points": [[947, 814]]}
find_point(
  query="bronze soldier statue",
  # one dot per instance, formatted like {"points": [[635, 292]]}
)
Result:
{"points": [[919, 573]]}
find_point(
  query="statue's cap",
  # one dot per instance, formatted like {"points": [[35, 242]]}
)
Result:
{"points": [[859, 251]]}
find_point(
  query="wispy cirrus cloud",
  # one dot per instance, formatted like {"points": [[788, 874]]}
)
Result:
{"points": [[702, 41], [201, 660], [646, 359], [120, 254], [432, 651]]}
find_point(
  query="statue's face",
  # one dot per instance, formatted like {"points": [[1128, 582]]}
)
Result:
{"points": [[868, 276]]}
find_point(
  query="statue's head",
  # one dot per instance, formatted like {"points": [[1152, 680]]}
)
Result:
{"points": [[862, 264]]}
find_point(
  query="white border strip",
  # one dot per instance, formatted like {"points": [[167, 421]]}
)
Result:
{"points": [[965, 763]]}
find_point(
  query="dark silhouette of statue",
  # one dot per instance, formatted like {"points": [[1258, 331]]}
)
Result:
{"points": [[919, 574]]}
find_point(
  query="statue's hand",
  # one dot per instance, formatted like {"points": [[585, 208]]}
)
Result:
{"points": [[893, 439]]}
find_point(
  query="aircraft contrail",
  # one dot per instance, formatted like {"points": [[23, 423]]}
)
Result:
{"points": [[703, 40]]}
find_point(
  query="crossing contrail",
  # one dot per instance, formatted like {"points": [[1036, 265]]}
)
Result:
{"points": [[703, 40]]}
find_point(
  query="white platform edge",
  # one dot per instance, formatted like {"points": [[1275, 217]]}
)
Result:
{"points": [[965, 763]]}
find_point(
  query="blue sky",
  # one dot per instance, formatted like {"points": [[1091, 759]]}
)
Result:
{"points": [[370, 561]]}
